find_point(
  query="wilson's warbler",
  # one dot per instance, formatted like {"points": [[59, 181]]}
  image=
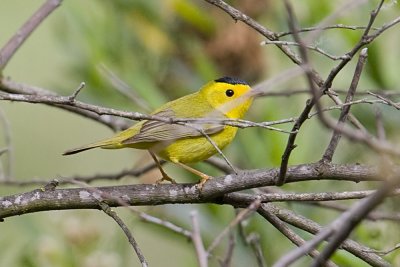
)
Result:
{"points": [[219, 99]]}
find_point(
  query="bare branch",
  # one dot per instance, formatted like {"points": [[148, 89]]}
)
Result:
{"points": [[197, 241], [323, 28], [330, 150], [373, 215], [343, 225], [253, 241], [166, 224], [314, 228], [227, 261], [65, 102], [310, 47], [386, 100], [145, 194], [285, 230], [107, 210], [12, 87], [77, 91], [242, 215], [384, 252], [304, 249]]}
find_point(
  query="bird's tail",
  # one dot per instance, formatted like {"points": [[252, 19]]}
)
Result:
{"points": [[103, 144]]}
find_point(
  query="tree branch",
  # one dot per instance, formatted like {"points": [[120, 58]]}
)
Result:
{"points": [[146, 194]]}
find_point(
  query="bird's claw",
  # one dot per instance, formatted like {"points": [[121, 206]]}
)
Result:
{"points": [[166, 178], [202, 181]]}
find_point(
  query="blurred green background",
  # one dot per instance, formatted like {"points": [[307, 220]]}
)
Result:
{"points": [[163, 50]]}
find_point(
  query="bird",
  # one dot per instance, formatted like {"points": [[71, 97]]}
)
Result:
{"points": [[186, 142]]}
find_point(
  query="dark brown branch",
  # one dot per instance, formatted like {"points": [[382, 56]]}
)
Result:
{"points": [[23, 33]]}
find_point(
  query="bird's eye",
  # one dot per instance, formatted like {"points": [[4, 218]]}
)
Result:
{"points": [[229, 92]]}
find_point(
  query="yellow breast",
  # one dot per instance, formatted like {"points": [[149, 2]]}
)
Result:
{"points": [[191, 150]]}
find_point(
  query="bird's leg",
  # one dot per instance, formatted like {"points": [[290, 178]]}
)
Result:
{"points": [[203, 177], [165, 176]]}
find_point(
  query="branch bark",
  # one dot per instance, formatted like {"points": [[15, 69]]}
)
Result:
{"points": [[147, 194]]}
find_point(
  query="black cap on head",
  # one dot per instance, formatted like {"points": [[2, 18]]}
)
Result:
{"points": [[231, 80]]}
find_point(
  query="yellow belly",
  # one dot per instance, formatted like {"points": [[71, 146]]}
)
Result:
{"points": [[190, 150]]}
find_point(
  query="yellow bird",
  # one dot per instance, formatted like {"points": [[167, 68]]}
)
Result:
{"points": [[224, 98]]}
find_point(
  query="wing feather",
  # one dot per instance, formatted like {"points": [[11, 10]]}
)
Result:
{"points": [[158, 131]]}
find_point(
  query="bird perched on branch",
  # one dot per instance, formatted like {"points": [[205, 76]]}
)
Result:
{"points": [[188, 141]]}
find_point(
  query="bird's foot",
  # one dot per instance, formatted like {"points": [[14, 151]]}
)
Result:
{"points": [[166, 178], [203, 180]]}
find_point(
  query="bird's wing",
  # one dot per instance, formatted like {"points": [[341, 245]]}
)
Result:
{"points": [[158, 131]]}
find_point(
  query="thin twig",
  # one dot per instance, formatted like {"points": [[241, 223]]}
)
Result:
{"points": [[386, 100], [323, 28], [373, 215], [383, 252], [291, 92], [107, 210], [304, 249], [100, 195], [65, 101], [77, 91], [330, 150], [347, 6], [285, 230], [166, 224], [12, 87], [253, 241], [211, 141], [227, 261], [312, 227], [310, 47], [310, 103], [242, 215], [343, 225], [361, 136], [197, 240]]}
